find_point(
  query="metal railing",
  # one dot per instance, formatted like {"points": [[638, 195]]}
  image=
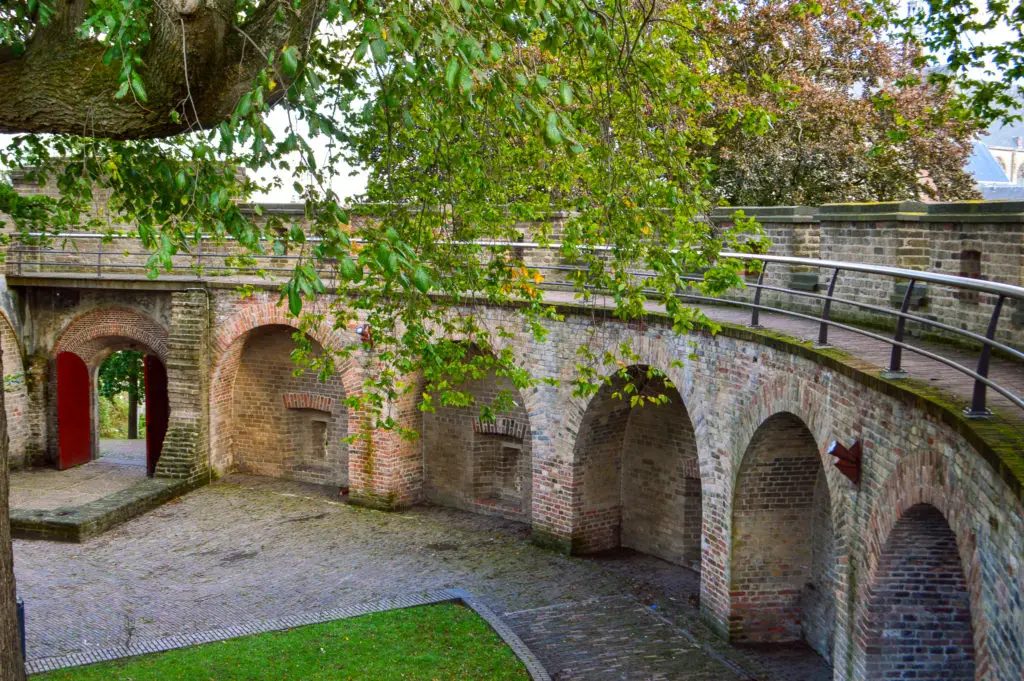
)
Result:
{"points": [[44, 261]]}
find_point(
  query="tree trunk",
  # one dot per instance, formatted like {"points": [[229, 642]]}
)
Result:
{"points": [[133, 406], [11, 666]]}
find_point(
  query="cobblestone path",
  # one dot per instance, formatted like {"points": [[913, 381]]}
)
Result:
{"points": [[249, 548]]}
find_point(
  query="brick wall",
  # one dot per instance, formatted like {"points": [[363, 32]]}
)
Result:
{"points": [[639, 484], [303, 444], [477, 465], [773, 534], [22, 445], [660, 489], [919, 626]]}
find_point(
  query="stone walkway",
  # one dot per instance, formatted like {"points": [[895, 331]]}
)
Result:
{"points": [[1008, 373], [246, 549], [122, 463], [124, 452]]}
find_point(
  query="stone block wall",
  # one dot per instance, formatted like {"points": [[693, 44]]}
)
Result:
{"points": [[983, 240]]}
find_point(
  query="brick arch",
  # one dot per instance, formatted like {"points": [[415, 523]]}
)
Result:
{"points": [[921, 478], [804, 404], [228, 345], [636, 475], [93, 333]]}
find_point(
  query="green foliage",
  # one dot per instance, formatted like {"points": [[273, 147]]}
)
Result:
{"points": [[121, 372], [431, 643], [589, 121]]}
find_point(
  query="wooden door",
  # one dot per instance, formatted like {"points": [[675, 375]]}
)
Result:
{"points": [[157, 410], [74, 427]]}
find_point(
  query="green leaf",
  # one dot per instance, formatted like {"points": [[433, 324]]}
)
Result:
{"points": [[244, 105], [379, 48], [138, 88], [451, 72], [361, 51], [465, 79], [294, 299], [565, 94], [421, 279], [290, 60], [347, 268], [551, 131]]}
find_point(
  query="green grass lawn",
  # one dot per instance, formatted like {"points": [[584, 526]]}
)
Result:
{"points": [[428, 643]]}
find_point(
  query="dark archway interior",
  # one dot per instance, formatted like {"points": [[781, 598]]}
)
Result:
{"points": [[919, 617]]}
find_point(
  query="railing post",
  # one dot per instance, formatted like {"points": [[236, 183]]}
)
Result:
{"points": [[755, 316], [99, 259], [895, 369], [826, 310], [19, 257], [978, 410], [199, 256]]}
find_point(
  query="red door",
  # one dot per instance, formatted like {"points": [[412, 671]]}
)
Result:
{"points": [[157, 409], [74, 431]]}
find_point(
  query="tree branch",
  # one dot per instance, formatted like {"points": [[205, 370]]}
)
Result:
{"points": [[60, 84]]}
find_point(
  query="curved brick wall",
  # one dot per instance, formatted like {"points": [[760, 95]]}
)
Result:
{"points": [[739, 411]]}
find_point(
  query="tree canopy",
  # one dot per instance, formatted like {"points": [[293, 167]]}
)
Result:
{"points": [[625, 118]]}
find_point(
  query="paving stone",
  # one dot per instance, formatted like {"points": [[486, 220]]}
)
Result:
{"points": [[243, 551]]}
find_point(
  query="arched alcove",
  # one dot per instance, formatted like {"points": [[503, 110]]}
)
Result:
{"points": [[919, 614], [783, 560], [636, 465], [476, 463], [267, 419]]}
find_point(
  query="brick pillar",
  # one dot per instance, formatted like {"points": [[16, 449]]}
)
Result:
{"points": [[552, 419], [36, 385], [186, 447], [386, 469]]}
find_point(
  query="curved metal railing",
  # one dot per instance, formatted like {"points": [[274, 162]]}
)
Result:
{"points": [[813, 306]]}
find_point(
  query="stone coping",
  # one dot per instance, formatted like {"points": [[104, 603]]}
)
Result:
{"points": [[78, 523], [159, 645], [1011, 212]]}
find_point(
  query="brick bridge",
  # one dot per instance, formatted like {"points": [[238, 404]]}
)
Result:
{"points": [[916, 570]]}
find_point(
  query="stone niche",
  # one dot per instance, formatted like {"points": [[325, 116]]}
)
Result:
{"points": [[501, 469]]}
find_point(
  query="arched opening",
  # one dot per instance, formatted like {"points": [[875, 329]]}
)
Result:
{"points": [[480, 462], [271, 418], [90, 422], [639, 479], [919, 616], [783, 561], [132, 408]]}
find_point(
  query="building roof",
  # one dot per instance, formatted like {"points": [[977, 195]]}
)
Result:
{"points": [[1001, 191], [983, 166]]}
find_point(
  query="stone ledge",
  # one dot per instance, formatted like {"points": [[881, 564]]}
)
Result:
{"points": [[78, 523]]}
